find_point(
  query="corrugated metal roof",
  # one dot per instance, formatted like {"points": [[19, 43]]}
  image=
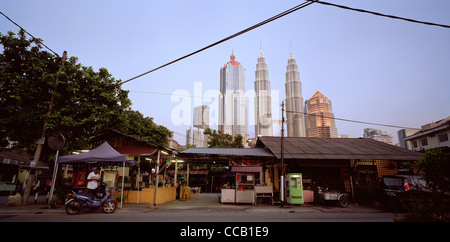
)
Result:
{"points": [[335, 149], [228, 151]]}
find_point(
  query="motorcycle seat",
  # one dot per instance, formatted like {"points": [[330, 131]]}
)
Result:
{"points": [[86, 195]]}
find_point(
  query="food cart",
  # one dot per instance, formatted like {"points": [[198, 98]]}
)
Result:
{"points": [[245, 183], [245, 187]]}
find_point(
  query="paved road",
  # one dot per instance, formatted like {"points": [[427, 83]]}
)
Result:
{"points": [[206, 209], [199, 216]]}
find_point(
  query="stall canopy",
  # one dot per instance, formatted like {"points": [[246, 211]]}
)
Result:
{"points": [[103, 153]]}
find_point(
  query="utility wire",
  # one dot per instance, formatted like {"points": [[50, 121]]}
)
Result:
{"points": [[226, 39], [349, 120], [38, 40], [380, 14], [171, 94], [287, 111]]}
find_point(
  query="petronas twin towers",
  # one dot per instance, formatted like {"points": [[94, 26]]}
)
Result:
{"points": [[233, 110], [294, 99]]}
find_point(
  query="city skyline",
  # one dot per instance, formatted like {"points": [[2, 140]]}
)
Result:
{"points": [[374, 69]]}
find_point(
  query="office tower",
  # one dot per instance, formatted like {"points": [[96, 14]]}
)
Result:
{"points": [[320, 118], [402, 134], [380, 135], [201, 117], [294, 100], [263, 99], [232, 108], [195, 137]]}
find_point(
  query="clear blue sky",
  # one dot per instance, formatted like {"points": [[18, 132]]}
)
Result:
{"points": [[373, 69]]}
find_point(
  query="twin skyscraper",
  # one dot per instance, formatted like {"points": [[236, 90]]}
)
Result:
{"points": [[233, 116]]}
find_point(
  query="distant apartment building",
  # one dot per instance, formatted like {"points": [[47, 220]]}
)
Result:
{"points": [[431, 135], [320, 121], [379, 135], [195, 136], [344, 136], [402, 134], [201, 117]]}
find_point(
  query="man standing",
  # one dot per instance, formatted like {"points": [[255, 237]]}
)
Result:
{"points": [[92, 180]]}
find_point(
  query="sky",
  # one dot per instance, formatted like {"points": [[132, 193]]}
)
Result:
{"points": [[373, 69]]}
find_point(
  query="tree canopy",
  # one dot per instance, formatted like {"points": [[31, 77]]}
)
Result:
{"points": [[435, 166], [218, 139], [87, 102]]}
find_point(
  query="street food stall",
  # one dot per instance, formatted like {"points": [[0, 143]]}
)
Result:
{"points": [[103, 154], [244, 191], [245, 187]]}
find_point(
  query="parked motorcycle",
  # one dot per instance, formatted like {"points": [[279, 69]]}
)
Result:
{"points": [[76, 202]]}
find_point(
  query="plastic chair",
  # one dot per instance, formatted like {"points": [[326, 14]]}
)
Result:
{"points": [[186, 193]]}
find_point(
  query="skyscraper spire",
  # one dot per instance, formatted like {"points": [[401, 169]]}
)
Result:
{"points": [[260, 50], [291, 56]]}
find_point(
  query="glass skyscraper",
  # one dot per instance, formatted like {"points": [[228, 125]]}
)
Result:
{"points": [[294, 100], [263, 99], [232, 108], [320, 121]]}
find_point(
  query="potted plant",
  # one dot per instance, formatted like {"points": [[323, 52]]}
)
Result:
{"points": [[118, 201], [52, 203]]}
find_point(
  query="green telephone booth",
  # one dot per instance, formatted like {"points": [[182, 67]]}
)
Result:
{"points": [[295, 188]]}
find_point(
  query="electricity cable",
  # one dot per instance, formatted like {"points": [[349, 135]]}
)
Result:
{"points": [[38, 40], [349, 120], [380, 14], [287, 111], [300, 6]]}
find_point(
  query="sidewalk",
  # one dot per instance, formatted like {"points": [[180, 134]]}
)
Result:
{"points": [[207, 203]]}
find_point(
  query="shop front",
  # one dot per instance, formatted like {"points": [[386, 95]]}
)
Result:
{"points": [[238, 175], [351, 166], [148, 182]]}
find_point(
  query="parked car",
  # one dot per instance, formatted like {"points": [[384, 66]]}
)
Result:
{"points": [[393, 191]]}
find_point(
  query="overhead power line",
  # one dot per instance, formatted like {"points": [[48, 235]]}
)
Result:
{"points": [[300, 6], [287, 111], [40, 42], [380, 14], [350, 120]]}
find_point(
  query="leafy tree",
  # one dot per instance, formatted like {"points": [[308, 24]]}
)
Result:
{"points": [[434, 165], [217, 139], [134, 123], [87, 102]]}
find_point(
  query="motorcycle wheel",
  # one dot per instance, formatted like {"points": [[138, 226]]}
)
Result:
{"points": [[109, 207], [343, 201], [73, 207]]}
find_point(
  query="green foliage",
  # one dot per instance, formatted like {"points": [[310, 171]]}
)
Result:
{"points": [[217, 139], [87, 102], [435, 165], [134, 123]]}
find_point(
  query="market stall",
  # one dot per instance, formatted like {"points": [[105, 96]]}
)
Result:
{"points": [[103, 154]]}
